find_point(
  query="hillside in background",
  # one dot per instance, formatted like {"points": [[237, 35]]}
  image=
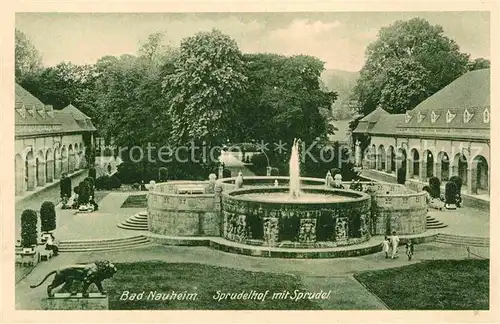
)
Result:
{"points": [[343, 83]]}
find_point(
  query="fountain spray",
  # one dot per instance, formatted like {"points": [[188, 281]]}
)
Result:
{"points": [[295, 170]]}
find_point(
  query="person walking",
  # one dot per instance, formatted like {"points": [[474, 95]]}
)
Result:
{"points": [[385, 247], [395, 244], [409, 250]]}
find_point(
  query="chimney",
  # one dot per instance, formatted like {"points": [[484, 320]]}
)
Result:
{"points": [[49, 110]]}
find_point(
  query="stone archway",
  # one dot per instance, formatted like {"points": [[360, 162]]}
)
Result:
{"points": [[443, 166], [390, 161], [381, 158], [71, 159], [427, 170], [459, 167], [57, 163], [414, 165], [40, 169], [49, 166], [20, 184], [480, 175], [64, 160], [29, 171], [402, 160]]}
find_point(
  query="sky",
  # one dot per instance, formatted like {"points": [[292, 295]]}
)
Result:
{"points": [[337, 38]]}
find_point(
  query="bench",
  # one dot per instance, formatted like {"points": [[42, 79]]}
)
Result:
{"points": [[45, 255], [191, 190]]}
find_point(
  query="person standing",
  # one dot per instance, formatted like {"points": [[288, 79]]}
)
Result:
{"points": [[395, 244], [385, 247], [409, 249], [51, 244]]}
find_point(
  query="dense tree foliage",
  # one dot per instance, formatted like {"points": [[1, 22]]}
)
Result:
{"points": [[411, 57], [28, 60]]}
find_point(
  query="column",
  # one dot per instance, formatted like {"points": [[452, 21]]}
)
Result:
{"points": [[19, 181], [57, 168], [50, 171], [378, 161], [64, 165], [31, 176], [472, 180], [221, 171], [40, 182], [437, 170], [423, 171], [453, 170]]}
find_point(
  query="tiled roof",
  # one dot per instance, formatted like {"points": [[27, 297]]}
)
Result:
{"points": [[33, 117], [461, 104], [462, 108]]}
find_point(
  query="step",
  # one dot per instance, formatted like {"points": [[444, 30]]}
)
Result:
{"points": [[464, 237], [476, 244], [104, 240], [137, 228], [132, 246], [77, 245], [143, 213], [436, 226], [102, 244], [139, 218], [137, 221]]}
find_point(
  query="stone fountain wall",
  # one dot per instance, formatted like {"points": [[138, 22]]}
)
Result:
{"points": [[174, 214], [304, 224]]}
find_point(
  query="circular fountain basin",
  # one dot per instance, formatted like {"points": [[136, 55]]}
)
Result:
{"points": [[320, 217]]}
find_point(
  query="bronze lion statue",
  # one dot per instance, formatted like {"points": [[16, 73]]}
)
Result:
{"points": [[94, 272]]}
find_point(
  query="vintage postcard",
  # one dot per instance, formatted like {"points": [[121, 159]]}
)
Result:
{"points": [[195, 158]]}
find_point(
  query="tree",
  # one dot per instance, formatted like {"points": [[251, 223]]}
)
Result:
{"points": [[396, 59], [478, 64], [207, 82], [47, 216], [29, 233], [28, 60]]}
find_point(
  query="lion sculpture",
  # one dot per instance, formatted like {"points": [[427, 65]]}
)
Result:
{"points": [[94, 272]]}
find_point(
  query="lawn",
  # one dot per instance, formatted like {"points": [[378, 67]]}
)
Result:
{"points": [[204, 280], [135, 201], [432, 285]]}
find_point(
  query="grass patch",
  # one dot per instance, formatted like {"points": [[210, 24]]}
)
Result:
{"points": [[135, 201], [205, 281], [432, 285]]}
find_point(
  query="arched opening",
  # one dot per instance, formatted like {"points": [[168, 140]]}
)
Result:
{"points": [[391, 157], [444, 169], [29, 172], [401, 159], [77, 157], [415, 163], [49, 175], [40, 169], [382, 157], [57, 164], [373, 157], [429, 164], [460, 166], [480, 174], [71, 159], [19, 173], [64, 160]]}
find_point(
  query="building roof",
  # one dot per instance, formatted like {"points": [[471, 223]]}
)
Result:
{"points": [[33, 117], [461, 109]]}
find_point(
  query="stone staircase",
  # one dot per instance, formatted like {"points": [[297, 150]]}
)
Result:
{"points": [[463, 240], [104, 244], [433, 223], [137, 222]]}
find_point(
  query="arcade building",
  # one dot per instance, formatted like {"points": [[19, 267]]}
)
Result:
{"points": [[48, 142], [447, 134]]}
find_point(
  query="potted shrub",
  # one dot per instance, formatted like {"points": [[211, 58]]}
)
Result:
{"points": [[47, 218], [162, 174], [458, 183], [84, 193], [114, 182], [92, 173], [226, 173], [29, 231], [450, 194], [435, 186], [401, 176]]}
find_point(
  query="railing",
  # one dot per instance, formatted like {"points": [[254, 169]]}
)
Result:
{"points": [[469, 253]]}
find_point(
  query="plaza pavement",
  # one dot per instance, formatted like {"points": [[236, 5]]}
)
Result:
{"points": [[316, 274]]}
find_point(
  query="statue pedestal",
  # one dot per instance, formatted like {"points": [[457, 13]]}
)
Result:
{"points": [[65, 301]]}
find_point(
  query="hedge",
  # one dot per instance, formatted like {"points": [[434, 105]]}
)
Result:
{"points": [[29, 233], [48, 216]]}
